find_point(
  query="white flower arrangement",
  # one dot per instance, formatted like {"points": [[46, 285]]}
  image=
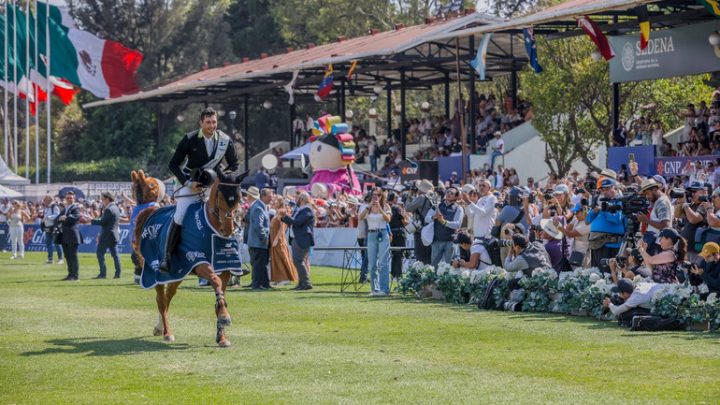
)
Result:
{"points": [[443, 268]]}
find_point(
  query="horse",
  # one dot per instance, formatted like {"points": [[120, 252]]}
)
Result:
{"points": [[219, 212], [147, 192]]}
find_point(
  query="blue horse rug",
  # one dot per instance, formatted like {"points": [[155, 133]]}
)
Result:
{"points": [[199, 243]]}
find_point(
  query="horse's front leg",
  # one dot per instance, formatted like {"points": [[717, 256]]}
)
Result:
{"points": [[170, 291], [223, 316]]}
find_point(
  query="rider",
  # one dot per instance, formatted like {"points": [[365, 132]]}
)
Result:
{"points": [[201, 149]]}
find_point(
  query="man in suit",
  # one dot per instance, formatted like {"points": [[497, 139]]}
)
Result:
{"points": [[204, 148], [258, 240], [303, 225], [109, 234], [70, 236]]}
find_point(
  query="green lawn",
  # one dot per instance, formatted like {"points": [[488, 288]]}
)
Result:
{"points": [[91, 342]]}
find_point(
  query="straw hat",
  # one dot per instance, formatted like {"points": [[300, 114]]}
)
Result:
{"points": [[549, 227], [424, 186], [253, 192]]}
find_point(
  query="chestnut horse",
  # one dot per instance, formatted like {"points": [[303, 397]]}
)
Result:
{"points": [[223, 201]]}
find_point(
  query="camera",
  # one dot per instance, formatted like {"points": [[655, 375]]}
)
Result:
{"points": [[512, 306], [548, 196], [590, 185], [677, 192], [703, 198], [506, 243], [616, 299]]}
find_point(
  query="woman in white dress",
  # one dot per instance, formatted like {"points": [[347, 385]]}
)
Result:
{"points": [[16, 216]]}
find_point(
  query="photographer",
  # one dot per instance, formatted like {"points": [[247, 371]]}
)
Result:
{"points": [[579, 231], [51, 211], [708, 271], [481, 205], [477, 257], [664, 265], [607, 223], [526, 256], [557, 203], [512, 213], [628, 265], [693, 215], [661, 216], [418, 205], [631, 300], [447, 219]]}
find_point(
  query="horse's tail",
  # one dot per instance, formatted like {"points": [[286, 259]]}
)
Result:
{"points": [[139, 223]]}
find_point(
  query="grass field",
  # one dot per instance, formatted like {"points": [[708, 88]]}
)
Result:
{"points": [[91, 342]]}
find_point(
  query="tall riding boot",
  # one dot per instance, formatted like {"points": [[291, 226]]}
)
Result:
{"points": [[172, 242]]}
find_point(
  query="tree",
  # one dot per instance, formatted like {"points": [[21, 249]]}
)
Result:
{"points": [[572, 100]]}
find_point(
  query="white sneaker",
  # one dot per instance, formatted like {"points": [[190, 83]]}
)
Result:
{"points": [[61, 261], [378, 294], [49, 262], [13, 257]]}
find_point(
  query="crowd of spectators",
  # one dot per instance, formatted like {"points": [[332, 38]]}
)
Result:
{"points": [[700, 134]]}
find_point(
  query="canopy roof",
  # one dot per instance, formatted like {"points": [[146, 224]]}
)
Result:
{"points": [[425, 53], [381, 57]]}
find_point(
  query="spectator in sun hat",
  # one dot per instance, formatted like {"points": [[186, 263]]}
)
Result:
{"points": [[708, 271], [661, 215]]}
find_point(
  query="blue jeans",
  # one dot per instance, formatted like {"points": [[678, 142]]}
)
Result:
{"points": [[378, 243], [373, 163], [442, 251], [493, 156], [112, 247], [49, 242]]}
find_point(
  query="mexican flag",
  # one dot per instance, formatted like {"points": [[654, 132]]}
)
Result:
{"points": [[103, 67]]}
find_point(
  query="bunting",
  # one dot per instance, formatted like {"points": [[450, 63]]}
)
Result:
{"points": [[531, 49], [326, 85], [597, 36], [479, 63], [644, 22]]}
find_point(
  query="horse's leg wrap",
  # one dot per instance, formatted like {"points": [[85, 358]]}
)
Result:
{"points": [[220, 337], [221, 304]]}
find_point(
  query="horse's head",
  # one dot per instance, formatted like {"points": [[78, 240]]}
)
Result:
{"points": [[224, 201], [145, 188]]}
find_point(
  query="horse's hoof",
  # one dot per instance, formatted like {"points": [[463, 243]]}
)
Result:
{"points": [[225, 320], [224, 343], [169, 338], [157, 331]]}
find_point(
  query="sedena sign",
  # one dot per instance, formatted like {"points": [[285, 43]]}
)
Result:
{"points": [[674, 52]]}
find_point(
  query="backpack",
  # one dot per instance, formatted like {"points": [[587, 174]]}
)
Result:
{"points": [[493, 248]]}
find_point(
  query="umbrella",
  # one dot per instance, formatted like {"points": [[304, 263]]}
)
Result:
{"points": [[298, 153], [8, 193], [78, 193]]}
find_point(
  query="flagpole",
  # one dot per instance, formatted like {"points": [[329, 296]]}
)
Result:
{"points": [[37, 103], [6, 127], [49, 98], [28, 91], [15, 95], [461, 108]]}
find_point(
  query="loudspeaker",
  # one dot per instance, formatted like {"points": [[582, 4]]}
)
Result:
{"points": [[429, 170]]}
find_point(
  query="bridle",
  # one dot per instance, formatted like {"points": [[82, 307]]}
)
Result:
{"points": [[218, 213]]}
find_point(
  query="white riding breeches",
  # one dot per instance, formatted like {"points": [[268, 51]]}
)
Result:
{"points": [[183, 199]]}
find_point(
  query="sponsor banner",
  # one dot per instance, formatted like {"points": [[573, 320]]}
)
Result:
{"points": [[643, 155], [674, 52], [34, 238], [674, 166]]}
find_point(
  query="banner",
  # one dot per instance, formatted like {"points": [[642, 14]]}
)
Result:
{"points": [[674, 166], [449, 164], [674, 52], [643, 155], [34, 238]]}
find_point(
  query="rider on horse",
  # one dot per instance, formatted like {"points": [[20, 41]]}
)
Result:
{"points": [[201, 149]]}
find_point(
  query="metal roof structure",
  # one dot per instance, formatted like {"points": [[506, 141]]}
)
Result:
{"points": [[381, 56]]}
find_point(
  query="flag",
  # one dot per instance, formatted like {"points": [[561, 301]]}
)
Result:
{"points": [[326, 84], [290, 87], [352, 70], [531, 49], [105, 68], [597, 36], [479, 62], [712, 6], [644, 22]]}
